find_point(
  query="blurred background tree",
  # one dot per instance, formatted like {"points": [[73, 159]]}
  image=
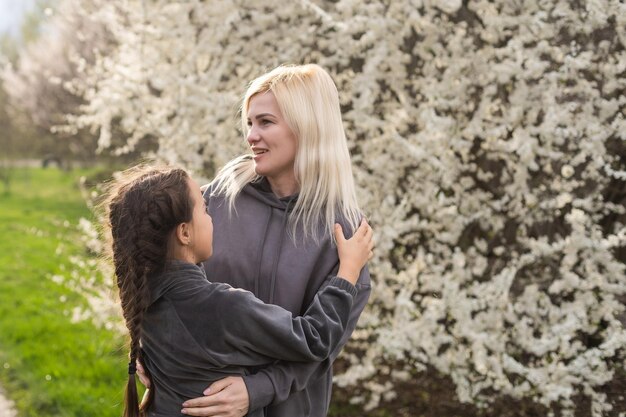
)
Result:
{"points": [[55, 46]]}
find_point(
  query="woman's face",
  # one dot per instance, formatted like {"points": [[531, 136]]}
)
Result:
{"points": [[201, 226], [273, 143]]}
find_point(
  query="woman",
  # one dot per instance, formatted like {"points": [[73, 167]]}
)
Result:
{"points": [[273, 212], [193, 331]]}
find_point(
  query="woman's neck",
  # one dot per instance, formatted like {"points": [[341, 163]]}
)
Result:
{"points": [[283, 187]]}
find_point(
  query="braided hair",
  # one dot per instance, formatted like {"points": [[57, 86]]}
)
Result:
{"points": [[143, 207]]}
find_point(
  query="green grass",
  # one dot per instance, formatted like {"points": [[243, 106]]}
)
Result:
{"points": [[49, 365]]}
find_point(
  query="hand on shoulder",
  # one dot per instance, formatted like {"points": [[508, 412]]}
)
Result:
{"points": [[354, 252]]}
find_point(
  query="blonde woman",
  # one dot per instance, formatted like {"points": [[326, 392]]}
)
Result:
{"points": [[273, 211]]}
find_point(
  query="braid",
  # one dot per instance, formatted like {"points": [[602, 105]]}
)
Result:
{"points": [[144, 206]]}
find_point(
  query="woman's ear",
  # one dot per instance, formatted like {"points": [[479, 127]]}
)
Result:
{"points": [[183, 234]]}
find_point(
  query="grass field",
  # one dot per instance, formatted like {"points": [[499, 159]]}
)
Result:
{"points": [[50, 365]]}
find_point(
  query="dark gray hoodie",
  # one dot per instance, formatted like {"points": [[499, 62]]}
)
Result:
{"points": [[196, 332], [254, 251]]}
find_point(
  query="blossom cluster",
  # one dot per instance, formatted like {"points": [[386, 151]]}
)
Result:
{"points": [[488, 141], [39, 83]]}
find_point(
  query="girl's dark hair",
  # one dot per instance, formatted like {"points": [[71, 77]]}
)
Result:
{"points": [[143, 207]]}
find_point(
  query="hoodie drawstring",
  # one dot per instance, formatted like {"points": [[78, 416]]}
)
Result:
{"points": [[280, 246], [260, 254]]}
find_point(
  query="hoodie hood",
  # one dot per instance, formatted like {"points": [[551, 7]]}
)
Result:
{"points": [[171, 277], [262, 191]]}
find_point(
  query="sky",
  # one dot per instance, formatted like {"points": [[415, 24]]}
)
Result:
{"points": [[12, 13]]}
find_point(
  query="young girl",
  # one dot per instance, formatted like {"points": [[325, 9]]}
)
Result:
{"points": [[186, 330]]}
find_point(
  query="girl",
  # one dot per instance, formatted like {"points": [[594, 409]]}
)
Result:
{"points": [[186, 330]]}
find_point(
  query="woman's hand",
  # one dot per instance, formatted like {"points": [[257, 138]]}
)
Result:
{"points": [[354, 252], [227, 397]]}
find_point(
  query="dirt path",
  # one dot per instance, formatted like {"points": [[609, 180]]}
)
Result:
{"points": [[7, 408]]}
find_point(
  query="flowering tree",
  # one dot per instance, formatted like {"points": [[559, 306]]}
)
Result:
{"points": [[488, 144], [38, 84]]}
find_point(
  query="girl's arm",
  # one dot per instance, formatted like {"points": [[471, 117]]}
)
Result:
{"points": [[245, 331]]}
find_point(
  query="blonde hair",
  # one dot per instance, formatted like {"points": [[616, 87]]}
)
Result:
{"points": [[309, 102]]}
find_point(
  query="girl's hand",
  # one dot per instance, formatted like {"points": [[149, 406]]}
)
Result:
{"points": [[141, 373], [354, 252]]}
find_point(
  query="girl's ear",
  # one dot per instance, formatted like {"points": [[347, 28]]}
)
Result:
{"points": [[183, 234]]}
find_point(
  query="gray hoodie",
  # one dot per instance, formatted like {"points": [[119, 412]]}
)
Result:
{"points": [[196, 332], [254, 251]]}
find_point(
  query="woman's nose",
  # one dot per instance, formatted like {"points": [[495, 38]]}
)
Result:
{"points": [[253, 136]]}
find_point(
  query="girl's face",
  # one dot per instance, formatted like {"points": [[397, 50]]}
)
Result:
{"points": [[201, 226], [273, 143]]}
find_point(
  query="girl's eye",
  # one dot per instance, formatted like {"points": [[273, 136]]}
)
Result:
{"points": [[266, 122]]}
